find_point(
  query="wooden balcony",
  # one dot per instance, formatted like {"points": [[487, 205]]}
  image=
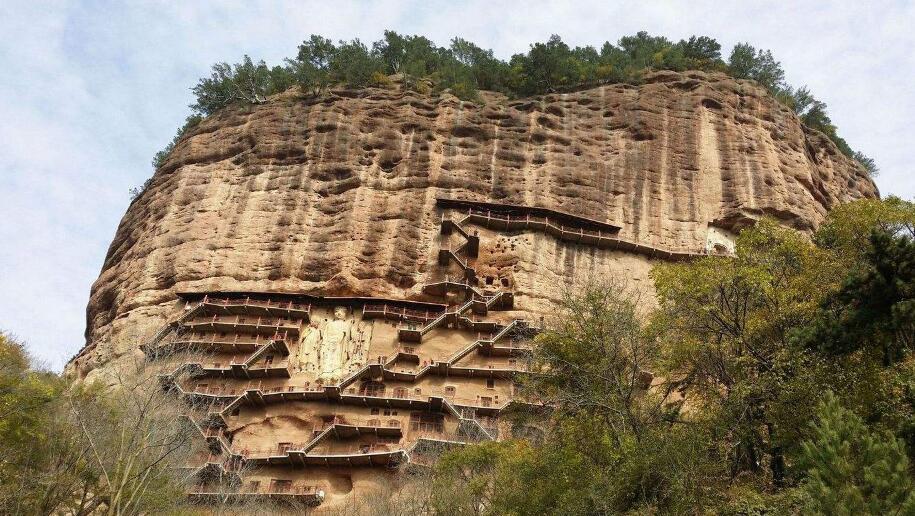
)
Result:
{"points": [[231, 343], [398, 313], [295, 493], [245, 370], [358, 458], [264, 326], [483, 371], [505, 348], [408, 401], [563, 226], [257, 307]]}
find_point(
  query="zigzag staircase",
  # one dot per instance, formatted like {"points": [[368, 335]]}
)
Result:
{"points": [[478, 302]]}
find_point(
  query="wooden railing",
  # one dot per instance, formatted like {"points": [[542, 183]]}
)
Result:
{"points": [[257, 303], [267, 490], [241, 320], [393, 312]]}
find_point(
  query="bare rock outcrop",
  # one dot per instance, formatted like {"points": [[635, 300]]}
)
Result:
{"points": [[336, 196]]}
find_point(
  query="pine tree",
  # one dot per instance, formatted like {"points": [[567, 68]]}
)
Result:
{"points": [[853, 470]]}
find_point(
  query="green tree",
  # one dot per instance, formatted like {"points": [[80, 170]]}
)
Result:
{"points": [[415, 57], [800, 100], [611, 443], [23, 393], [546, 67], [596, 359], [27, 433], [731, 347], [312, 65], [457, 77], [723, 338], [876, 304], [644, 50], [464, 69], [84, 450], [392, 51], [852, 470], [701, 50], [847, 231], [813, 114], [488, 72], [746, 62], [815, 117], [353, 65], [421, 58], [869, 164], [243, 83]]}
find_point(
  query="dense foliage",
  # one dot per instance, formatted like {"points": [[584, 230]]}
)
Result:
{"points": [[464, 69], [784, 383], [84, 450], [853, 469]]}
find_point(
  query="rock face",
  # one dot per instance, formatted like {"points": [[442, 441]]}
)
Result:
{"points": [[337, 196]]}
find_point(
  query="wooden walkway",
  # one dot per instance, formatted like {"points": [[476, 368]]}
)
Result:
{"points": [[563, 226]]}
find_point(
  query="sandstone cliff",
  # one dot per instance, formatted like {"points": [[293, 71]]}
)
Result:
{"points": [[336, 196]]}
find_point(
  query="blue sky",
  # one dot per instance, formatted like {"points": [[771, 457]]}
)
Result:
{"points": [[91, 90]]}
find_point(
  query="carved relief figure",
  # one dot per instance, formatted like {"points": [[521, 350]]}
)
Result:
{"points": [[333, 348]]}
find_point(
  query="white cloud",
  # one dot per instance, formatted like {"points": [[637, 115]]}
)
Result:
{"points": [[91, 90]]}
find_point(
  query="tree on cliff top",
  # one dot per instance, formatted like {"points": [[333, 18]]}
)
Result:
{"points": [[748, 63], [243, 83], [464, 68], [311, 67]]}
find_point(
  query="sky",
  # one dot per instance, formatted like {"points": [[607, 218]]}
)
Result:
{"points": [[91, 90]]}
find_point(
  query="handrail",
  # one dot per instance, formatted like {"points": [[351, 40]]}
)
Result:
{"points": [[578, 235], [294, 490], [398, 313], [270, 323], [257, 303]]}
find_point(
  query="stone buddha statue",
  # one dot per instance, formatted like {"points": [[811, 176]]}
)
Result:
{"points": [[334, 348]]}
